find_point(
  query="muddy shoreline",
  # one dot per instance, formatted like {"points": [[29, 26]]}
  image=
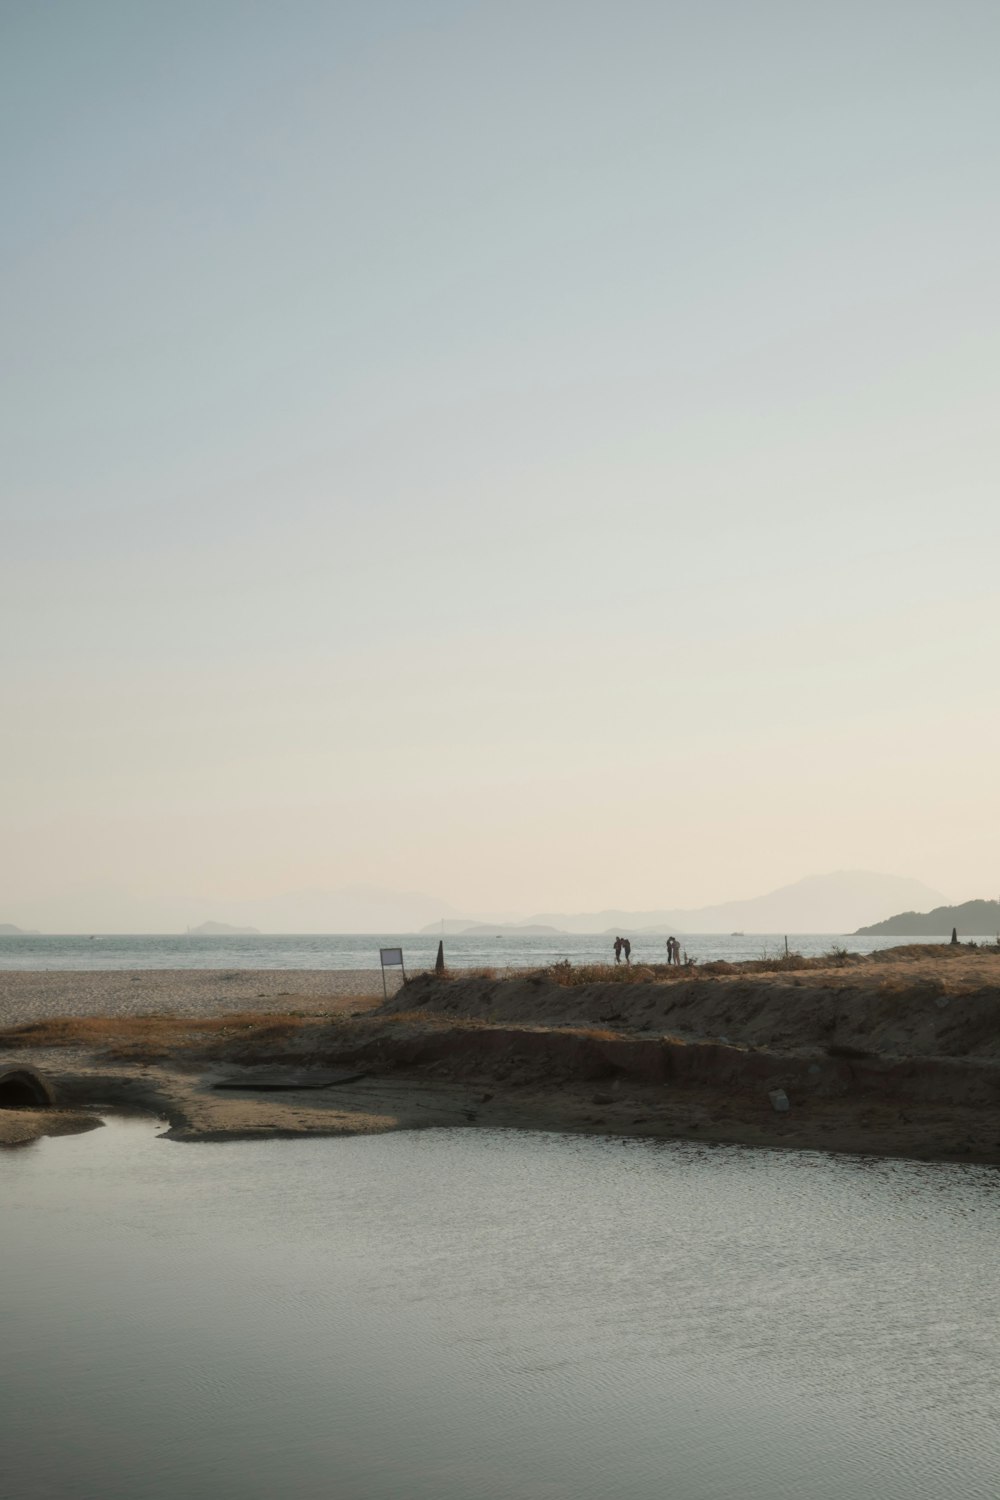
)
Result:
{"points": [[894, 1054]]}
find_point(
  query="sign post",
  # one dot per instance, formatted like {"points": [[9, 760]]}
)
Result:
{"points": [[391, 958]]}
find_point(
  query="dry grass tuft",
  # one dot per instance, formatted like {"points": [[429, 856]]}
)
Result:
{"points": [[153, 1033], [910, 952], [566, 974]]}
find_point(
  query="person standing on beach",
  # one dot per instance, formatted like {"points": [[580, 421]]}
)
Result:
{"points": [[627, 947], [618, 950], [673, 953]]}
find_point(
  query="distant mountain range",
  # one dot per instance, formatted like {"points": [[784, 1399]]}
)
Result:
{"points": [[349, 908], [834, 903], [7, 929], [453, 928], [970, 919], [221, 929]]}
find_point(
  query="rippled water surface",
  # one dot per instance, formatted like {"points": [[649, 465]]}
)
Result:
{"points": [[461, 1315]]}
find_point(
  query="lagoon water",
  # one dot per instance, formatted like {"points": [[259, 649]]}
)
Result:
{"points": [[465, 1315]]}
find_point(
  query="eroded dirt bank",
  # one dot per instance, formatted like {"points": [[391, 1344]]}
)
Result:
{"points": [[897, 1054]]}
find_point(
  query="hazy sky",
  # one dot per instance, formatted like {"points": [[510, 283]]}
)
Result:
{"points": [[545, 454]]}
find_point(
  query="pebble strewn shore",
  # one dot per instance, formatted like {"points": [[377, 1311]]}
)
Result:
{"points": [[36, 995]]}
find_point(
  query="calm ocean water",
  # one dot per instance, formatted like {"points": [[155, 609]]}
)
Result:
{"points": [[360, 951], [465, 1315]]}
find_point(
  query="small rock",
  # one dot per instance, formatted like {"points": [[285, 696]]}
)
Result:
{"points": [[779, 1101]]}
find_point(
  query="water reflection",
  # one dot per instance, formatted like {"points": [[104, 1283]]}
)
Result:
{"points": [[467, 1314]]}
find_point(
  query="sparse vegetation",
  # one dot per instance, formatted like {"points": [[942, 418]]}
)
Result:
{"points": [[567, 974], [154, 1033], [448, 974], [785, 958]]}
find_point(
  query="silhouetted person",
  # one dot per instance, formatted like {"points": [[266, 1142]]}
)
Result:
{"points": [[673, 951], [618, 950], [627, 950]]}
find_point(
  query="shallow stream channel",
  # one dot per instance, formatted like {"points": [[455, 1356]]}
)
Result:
{"points": [[473, 1315]]}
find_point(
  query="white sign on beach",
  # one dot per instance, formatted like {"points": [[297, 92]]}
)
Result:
{"points": [[391, 958]]}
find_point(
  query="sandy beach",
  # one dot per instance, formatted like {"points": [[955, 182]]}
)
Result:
{"points": [[36, 995]]}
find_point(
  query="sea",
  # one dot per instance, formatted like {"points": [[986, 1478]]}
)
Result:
{"points": [[361, 950], [493, 1315]]}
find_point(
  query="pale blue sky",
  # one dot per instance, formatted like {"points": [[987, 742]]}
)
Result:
{"points": [[543, 453]]}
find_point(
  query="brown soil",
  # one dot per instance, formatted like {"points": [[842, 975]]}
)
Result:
{"points": [[898, 1053]]}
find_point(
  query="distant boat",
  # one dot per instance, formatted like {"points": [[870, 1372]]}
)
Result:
{"points": [[737, 934]]}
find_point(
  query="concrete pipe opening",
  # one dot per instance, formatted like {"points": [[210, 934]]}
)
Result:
{"points": [[24, 1088]]}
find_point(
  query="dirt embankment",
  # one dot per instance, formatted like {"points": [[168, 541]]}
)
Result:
{"points": [[939, 1002], [897, 1053]]}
